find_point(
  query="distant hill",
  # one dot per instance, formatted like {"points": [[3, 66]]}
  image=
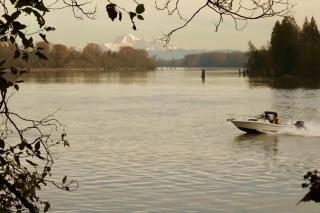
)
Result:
{"points": [[208, 59], [154, 48], [216, 59], [173, 54]]}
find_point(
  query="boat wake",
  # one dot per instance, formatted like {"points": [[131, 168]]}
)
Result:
{"points": [[312, 129]]}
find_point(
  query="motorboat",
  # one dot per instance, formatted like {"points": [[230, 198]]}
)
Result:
{"points": [[265, 123]]}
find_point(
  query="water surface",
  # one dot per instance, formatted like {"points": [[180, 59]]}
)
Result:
{"points": [[160, 142]]}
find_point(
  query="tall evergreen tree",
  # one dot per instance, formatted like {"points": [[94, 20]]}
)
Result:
{"points": [[285, 46], [292, 51], [309, 53]]}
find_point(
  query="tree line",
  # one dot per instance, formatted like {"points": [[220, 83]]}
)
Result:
{"points": [[209, 59], [292, 51], [92, 56]]}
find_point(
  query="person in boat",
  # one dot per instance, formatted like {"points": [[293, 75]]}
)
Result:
{"points": [[272, 117], [269, 116], [276, 118]]}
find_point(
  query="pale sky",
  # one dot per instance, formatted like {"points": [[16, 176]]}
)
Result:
{"points": [[200, 34]]}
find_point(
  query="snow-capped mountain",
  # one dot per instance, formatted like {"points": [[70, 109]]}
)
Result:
{"points": [[155, 48], [130, 40]]}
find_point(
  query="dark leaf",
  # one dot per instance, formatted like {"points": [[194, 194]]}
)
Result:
{"points": [[134, 27], [17, 160], [64, 179], [21, 35], [27, 10], [2, 144], [7, 17], [40, 157], [18, 26], [4, 39], [22, 3], [120, 16], [46, 206], [66, 143], [40, 5], [12, 39], [41, 55], [15, 15], [31, 163], [16, 54], [132, 15], [49, 29], [27, 42], [29, 146], [47, 168], [41, 21], [14, 70], [140, 17], [140, 8], [112, 12], [44, 38], [16, 86], [37, 145], [22, 146]]}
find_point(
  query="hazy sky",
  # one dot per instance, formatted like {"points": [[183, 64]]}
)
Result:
{"points": [[199, 34]]}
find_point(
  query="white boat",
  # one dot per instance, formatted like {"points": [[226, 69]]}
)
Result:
{"points": [[264, 124]]}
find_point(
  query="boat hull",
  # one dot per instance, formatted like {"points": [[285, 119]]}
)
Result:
{"points": [[260, 127]]}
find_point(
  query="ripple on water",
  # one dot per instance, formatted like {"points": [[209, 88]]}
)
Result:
{"points": [[164, 145]]}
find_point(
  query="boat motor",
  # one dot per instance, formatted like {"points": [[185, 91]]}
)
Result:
{"points": [[299, 124]]}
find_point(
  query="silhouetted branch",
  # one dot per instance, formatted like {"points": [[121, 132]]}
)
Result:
{"points": [[238, 11]]}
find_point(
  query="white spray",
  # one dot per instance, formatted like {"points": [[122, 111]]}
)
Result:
{"points": [[312, 129]]}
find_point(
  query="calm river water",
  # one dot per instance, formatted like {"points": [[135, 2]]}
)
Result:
{"points": [[160, 142]]}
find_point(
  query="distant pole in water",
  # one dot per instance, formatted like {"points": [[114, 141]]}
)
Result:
{"points": [[203, 76], [239, 72]]}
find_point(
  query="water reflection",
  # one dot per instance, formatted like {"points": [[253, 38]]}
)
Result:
{"points": [[80, 76], [284, 83], [258, 142]]}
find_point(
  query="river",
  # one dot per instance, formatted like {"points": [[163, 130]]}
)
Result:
{"points": [[159, 141]]}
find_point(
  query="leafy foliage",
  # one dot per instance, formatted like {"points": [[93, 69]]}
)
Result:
{"points": [[312, 182], [25, 152], [114, 11], [25, 144], [12, 28]]}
